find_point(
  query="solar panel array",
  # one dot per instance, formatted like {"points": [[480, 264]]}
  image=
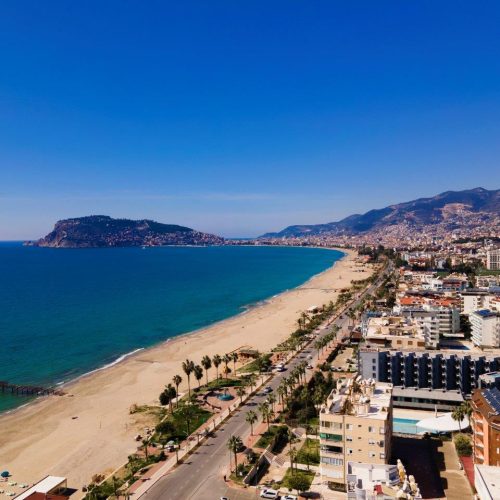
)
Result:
{"points": [[492, 396]]}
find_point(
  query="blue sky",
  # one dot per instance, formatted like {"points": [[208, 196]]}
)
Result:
{"points": [[242, 117]]}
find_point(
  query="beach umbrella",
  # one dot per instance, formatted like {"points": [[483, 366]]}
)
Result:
{"points": [[5, 473]]}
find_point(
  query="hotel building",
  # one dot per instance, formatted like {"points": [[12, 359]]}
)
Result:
{"points": [[355, 426], [486, 426], [426, 379], [485, 326]]}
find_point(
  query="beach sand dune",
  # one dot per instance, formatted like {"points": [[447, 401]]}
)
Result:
{"points": [[46, 438]]}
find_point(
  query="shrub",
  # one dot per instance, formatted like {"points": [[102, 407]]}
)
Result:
{"points": [[463, 445]]}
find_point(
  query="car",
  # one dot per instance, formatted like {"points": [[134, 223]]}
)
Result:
{"points": [[289, 497], [267, 390], [268, 493], [310, 367]]}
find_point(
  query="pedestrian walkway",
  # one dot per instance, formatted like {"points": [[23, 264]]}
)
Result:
{"points": [[455, 484]]}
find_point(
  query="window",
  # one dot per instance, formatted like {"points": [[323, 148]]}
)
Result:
{"points": [[348, 427], [332, 461], [371, 441], [382, 455], [371, 454], [348, 438], [371, 429], [349, 451], [382, 430]]}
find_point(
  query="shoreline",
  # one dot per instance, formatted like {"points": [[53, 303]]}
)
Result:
{"points": [[121, 358], [78, 436]]}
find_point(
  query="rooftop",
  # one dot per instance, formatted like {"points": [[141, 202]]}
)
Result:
{"points": [[358, 397]]}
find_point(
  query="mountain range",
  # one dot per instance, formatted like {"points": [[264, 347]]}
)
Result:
{"points": [[104, 231], [449, 206]]}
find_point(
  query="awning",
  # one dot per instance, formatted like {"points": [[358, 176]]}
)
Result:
{"points": [[444, 423]]}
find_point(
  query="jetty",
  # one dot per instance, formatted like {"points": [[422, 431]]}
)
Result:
{"points": [[28, 390]]}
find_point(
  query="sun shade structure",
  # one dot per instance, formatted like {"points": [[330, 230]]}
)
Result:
{"points": [[443, 423], [48, 485]]}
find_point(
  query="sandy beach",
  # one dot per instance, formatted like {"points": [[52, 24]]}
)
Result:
{"points": [[46, 438]]}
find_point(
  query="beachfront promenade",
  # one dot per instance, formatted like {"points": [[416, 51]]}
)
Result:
{"points": [[201, 475]]}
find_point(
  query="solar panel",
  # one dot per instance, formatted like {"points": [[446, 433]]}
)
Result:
{"points": [[492, 396]]}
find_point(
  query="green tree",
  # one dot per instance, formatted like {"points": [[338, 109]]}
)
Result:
{"points": [[240, 391], [234, 443], [217, 360], [234, 357], [188, 367], [251, 418], [298, 482], [206, 362], [458, 415], [226, 359], [198, 373], [177, 380]]}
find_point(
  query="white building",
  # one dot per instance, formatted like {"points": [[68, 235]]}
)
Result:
{"points": [[472, 300], [493, 259], [487, 481], [485, 328]]}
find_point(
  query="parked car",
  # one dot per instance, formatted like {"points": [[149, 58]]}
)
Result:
{"points": [[267, 390], [289, 497], [310, 367], [268, 493]]}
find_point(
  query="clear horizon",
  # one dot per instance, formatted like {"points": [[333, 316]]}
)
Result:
{"points": [[242, 119]]}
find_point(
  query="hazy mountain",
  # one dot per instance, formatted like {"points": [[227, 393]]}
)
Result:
{"points": [[418, 213]]}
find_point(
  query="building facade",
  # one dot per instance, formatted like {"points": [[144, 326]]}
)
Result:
{"points": [[485, 328], [356, 426], [493, 259], [425, 379], [486, 426]]}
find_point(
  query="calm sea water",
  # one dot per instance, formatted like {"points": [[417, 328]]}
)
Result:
{"points": [[66, 312]]}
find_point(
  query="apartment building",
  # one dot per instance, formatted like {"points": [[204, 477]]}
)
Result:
{"points": [[486, 426], [493, 259], [434, 321], [427, 379], [485, 328], [472, 300], [355, 426]]}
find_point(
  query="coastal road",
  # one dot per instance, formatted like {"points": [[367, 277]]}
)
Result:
{"points": [[201, 475]]}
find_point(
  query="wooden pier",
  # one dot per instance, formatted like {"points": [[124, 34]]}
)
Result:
{"points": [[28, 390]]}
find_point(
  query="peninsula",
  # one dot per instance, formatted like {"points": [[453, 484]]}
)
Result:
{"points": [[97, 231]]}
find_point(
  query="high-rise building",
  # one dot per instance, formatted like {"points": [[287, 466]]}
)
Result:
{"points": [[485, 328], [356, 426], [493, 259], [486, 426]]}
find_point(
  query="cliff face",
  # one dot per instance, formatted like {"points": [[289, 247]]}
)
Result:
{"points": [[102, 231]]}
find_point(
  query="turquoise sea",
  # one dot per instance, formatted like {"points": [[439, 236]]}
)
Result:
{"points": [[65, 312]]}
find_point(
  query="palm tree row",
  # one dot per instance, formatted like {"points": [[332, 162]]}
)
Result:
{"points": [[190, 368]]}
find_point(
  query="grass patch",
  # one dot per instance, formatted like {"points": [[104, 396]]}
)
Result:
{"points": [[222, 382], [309, 453], [184, 421], [308, 477]]}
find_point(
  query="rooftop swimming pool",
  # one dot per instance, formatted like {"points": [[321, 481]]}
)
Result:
{"points": [[405, 426]]}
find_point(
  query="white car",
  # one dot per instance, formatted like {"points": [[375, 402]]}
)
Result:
{"points": [[268, 493], [289, 497]]}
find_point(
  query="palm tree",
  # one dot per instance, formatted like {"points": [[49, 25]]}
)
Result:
{"points": [[186, 413], [145, 443], [292, 453], [458, 415], [281, 394], [188, 367], [234, 357], [266, 412], [240, 391], [206, 362], [177, 380], [217, 360], [234, 443], [251, 418], [226, 358], [271, 399], [171, 393], [252, 379], [198, 373]]}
